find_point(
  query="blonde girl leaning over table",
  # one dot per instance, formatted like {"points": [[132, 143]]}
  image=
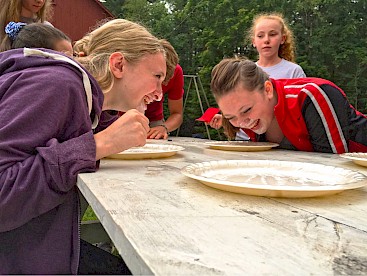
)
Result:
{"points": [[26, 11], [54, 125], [307, 114], [274, 42]]}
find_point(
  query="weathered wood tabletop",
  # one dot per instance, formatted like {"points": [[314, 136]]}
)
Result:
{"points": [[165, 223]]}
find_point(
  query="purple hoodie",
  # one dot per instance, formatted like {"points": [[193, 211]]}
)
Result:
{"points": [[46, 139]]}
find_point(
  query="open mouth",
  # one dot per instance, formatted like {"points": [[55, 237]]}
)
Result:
{"points": [[143, 105], [147, 100], [255, 125]]}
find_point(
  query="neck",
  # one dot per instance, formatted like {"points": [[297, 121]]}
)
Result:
{"points": [[27, 14], [268, 61], [274, 133], [113, 101], [107, 100]]}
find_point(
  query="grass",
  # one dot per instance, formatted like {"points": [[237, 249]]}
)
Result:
{"points": [[89, 215]]}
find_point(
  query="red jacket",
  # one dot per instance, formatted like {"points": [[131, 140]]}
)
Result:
{"points": [[315, 115]]}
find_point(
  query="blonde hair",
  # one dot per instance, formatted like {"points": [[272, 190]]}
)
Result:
{"points": [[11, 11], [231, 72], [287, 49], [171, 59], [118, 35]]}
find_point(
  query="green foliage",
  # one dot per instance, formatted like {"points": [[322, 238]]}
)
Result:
{"points": [[89, 215], [115, 7], [330, 38]]}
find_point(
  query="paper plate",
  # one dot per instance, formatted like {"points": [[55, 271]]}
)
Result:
{"points": [[148, 151], [359, 158], [274, 178], [241, 145]]}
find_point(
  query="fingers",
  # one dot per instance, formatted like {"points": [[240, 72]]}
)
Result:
{"points": [[139, 117], [157, 133], [214, 123]]}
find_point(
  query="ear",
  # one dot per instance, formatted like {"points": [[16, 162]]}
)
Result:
{"points": [[253, 43], [283, 39], [269, 89], [117, 63]]}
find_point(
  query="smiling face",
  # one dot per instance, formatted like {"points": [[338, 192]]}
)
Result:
{"points": [[138, 84], [249, 109], [31, 7], [268, 37]]}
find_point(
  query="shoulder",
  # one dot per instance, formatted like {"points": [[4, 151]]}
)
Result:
{"points": [[48, 23], [289, 64], [294, 69], [57, 75], [44, 80], [56, 83], [176, 83], [178, 69], [178, 74]]}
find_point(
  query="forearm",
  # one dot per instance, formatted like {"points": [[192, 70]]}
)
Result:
{"points": [[174, 121]]}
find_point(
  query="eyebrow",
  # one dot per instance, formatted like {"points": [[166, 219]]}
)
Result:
{"points": [[272, 30], [158, 72], [242, 109]]}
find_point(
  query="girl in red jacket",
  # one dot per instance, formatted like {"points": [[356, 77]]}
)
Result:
{"points": [[308, 114]]}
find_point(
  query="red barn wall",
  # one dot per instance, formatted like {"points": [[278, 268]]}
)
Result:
{"points": [[76, 17]]}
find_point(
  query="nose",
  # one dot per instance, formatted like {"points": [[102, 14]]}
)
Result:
{"points": [[266, 39], [245, 123], [158, 94]]}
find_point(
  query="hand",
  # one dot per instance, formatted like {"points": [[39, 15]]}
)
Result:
{"points": [[130, 130], [216, 121], [157, 132]]}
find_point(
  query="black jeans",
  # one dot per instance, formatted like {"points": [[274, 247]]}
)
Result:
{"points": [[96, 261]]}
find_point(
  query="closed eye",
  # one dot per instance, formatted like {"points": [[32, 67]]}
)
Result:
{"points": [[159, 76], [247, 110], [229, 118]]}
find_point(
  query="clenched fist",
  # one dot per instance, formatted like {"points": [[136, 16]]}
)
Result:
{"points": [[130, 130]]}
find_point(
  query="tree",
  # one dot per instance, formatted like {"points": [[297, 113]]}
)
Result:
{"points": [[115, 7], [330, 36]]}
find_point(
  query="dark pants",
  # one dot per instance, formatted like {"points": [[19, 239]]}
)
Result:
{"points": [[94, 260]]}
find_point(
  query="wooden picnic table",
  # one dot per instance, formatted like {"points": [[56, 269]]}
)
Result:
{"points": [[165, 223]]}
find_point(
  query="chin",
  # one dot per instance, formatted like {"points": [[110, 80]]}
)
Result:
{"points": [[259, 131], [141, 108]]}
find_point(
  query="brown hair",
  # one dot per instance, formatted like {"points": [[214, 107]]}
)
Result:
{"points": [[171, 59], [287, 49], [231, 72], [38, 35]]}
